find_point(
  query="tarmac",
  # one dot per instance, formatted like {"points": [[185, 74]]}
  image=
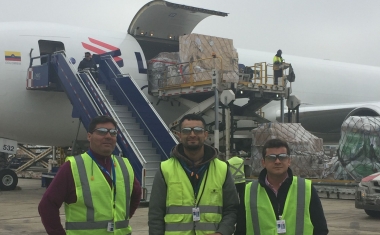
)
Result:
{"points": [[19, 215]]}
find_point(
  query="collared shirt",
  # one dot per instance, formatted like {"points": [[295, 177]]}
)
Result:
{"points": [[271, 186]]}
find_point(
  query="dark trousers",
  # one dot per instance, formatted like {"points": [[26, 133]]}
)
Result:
{"points": [[240, 188], [277, 74]]}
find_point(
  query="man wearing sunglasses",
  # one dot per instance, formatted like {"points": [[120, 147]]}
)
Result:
{"points": [[193, 192], [99, 189], [279, 202]]}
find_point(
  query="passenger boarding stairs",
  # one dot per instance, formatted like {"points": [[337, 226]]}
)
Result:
{"points": [[142, 136]]}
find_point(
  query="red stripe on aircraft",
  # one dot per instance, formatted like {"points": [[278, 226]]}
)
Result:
{"points": [[103, 44], [371, 177], [98, 51], [92, 48]]}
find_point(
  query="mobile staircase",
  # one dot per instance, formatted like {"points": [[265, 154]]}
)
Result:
{"points": [[142, 135]]}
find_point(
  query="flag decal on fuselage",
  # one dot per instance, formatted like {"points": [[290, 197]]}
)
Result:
{"points": [[12, 57]]}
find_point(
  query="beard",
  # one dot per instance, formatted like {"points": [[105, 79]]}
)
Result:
{"points": [[192, 147]]}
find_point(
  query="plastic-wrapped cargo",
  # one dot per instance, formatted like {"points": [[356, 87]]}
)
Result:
{"points": [[198, 49], [306, 150], [163, 70], [359, 148]]}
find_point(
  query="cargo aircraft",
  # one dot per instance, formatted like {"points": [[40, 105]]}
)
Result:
{"points": [[45, 114]]}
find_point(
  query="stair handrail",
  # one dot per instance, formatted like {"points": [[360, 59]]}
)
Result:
{"points": [[105, 101], [148, 102], [80, 81], [120, 125], [84, 87]]}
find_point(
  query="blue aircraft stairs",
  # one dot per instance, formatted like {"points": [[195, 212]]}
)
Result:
{"points": [[142, 135]]}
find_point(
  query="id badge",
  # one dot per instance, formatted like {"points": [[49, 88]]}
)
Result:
{"points": [[110, 227], [196, 214], [281, 227]]}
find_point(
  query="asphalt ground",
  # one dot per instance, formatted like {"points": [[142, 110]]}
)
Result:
{"points": [[19, 215]]}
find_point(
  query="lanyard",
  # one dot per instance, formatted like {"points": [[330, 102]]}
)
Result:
{"points": [[107, 172]]}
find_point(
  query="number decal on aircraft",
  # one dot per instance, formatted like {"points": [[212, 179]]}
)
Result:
{"points": [[8, 147]]}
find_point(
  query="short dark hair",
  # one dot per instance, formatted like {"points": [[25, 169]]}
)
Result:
{"points": [[87, 53], [191, 117], [275, 143], [100, 119]]}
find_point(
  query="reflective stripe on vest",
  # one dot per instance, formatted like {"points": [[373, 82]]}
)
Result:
{"points": [[188, 209], [180, 198], [297, 203], [121, 217], [183, 227], [236, 165]]}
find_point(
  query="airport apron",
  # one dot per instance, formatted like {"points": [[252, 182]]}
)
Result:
{"points": [[181, 201], [98, 206], [261, 218]]}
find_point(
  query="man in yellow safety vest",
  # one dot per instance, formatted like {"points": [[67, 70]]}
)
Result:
{"points": [[236, 166], [277, 69], [193, 191], [99, 189], [280, 203]]}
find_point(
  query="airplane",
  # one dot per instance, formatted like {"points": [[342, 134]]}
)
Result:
{"points": [[330, 91]]}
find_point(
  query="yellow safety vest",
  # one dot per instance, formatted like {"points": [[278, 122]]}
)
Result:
{"points": [[236, 165], [93, 210], [181, 200], [261, 218], [277, 61]]}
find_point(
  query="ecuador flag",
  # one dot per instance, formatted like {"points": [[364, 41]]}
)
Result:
{"points": [[12, 56]]}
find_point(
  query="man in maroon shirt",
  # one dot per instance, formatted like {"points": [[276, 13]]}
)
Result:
{"points": [[102, 138]]}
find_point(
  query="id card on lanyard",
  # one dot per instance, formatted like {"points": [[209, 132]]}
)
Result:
{"points": [[103, 169], [281, 226]]}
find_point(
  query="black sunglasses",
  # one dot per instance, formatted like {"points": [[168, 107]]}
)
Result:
{"points": [[274, 157], [103, 131], [197, 130]]}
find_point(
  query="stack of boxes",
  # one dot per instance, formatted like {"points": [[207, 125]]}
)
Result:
{"points": [[194, 62]]}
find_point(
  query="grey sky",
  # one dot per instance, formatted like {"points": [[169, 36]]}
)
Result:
{"points": [[339, 30]]}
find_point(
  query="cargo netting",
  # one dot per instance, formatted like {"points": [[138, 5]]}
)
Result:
{"points": [[358, 153], [306, 150]]}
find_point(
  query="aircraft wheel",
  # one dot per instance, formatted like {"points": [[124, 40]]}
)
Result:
{"points": [[8, 179], [374, 214]]}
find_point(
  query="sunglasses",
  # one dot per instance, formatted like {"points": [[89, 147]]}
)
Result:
{"points": [[197, 130], [274, 157], [103, 131]]}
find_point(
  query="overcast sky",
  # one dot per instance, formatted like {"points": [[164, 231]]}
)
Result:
{"points": [[338, 30]]}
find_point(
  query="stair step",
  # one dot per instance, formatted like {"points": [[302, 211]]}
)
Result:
{"points": [[149, 179], [122, 114], [152, 165], [152, 157], [143, 144], [135, 132], [131, 125], [118, 108], [112, 102], [127, 119], [147, 151], [139, 137]]}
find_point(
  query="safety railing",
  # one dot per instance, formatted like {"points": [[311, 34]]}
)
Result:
{"points": [[187, 74], [127, 92], [263, 74]]}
